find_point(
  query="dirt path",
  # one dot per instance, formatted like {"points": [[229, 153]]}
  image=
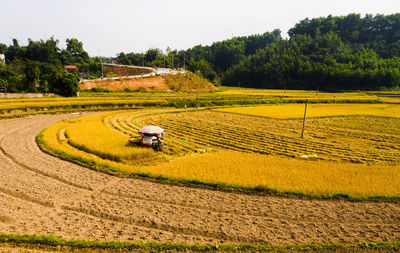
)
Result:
{"points": [[45, 195]]}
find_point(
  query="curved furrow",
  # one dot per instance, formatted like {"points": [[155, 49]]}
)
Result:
{"points": [[232, 209], [41, 163], [29, 217], [134, 209], [49, 175], [143, 223], [25, 197]]}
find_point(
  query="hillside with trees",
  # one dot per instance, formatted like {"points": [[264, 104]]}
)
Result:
{"points": [[333, 53], [39, 66], [327, 53]]}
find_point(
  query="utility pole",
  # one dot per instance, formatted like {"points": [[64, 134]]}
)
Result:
{"points": [[164, 61], [102, 69], [101, 62], [304, 119], [184, 61]]}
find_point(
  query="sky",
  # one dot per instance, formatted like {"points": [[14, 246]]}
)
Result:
{"points": [[108, 27]]}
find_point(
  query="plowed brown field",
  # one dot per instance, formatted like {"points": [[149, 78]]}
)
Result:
{"points": [[45, 195]]}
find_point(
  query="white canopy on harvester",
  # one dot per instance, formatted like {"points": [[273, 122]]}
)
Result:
{"points": [[152, 136]]}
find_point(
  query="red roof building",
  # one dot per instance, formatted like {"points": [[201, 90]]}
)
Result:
{"points": [[70, 67]]}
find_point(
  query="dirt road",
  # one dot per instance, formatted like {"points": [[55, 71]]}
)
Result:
{"points": [[45, 195]]}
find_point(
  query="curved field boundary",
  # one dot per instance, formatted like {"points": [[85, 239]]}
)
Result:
{"points": [[76, 202], [77, 149]]}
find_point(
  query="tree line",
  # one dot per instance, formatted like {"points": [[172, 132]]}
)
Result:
{"points": [[210, 62], [39, 66], [332, 53], [327, 53]]}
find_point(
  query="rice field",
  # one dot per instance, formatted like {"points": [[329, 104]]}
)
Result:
{"points": [[314, 178], [308, 93], [294, 111], [354, 155], [225, 96]]}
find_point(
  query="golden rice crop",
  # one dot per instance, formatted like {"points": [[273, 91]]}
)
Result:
{"points": [[242, 143], [390, 100], [297, 93], [50, 138], [311, 177], [226, 96], [344, 139], [92, 136], [287, 111]]}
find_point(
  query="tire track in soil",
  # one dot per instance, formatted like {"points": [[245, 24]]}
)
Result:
{"points": [[96, 214], [55, 177], [69, 224], [107, 216], [231, 217]]}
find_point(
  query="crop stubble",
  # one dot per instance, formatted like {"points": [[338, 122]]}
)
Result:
{"points": [[326, 137], [42, 194]]}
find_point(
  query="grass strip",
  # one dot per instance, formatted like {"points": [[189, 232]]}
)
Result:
{"points": [[54, 241]]}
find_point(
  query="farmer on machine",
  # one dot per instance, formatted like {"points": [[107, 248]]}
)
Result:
{"points": [[160, 138], [152, 136]]}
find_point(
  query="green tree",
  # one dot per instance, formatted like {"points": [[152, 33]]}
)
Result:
{"points": [[32, 74], [152, 55], [67, 85], [3, 48], [75, 47]]}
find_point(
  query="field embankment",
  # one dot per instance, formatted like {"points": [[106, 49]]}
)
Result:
{"points": [[178, 82]]}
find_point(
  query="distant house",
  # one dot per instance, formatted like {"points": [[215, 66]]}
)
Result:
{"points": [[70, 67], [2, 58]]}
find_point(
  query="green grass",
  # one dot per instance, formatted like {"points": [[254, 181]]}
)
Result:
{"points": [[54, 242]]}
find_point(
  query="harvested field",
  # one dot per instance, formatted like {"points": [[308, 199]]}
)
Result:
{"points": [[45, 195], [322, 167], [368, 140]]}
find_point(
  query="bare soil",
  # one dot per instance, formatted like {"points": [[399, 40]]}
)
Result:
{"points": [[148, 84], [44, 195], [178, 82]]}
